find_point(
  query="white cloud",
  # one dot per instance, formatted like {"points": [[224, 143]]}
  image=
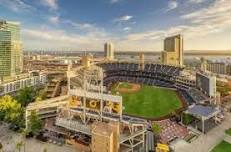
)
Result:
{"points": [[52, 4], [54, 19], [200, 23], [83, 26], [123, 18], [89, 29], [127, 29], [213, 19], [172, 4], [215, 16], [16, 5], [196, 1], [52, 35], [114, 1], [60, 39]]}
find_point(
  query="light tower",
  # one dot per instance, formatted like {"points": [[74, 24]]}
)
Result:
{"points": [[141, 61]]}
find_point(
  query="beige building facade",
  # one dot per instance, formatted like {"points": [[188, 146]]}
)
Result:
{"points": [[219, 68], [173, 51], [109, 51]]}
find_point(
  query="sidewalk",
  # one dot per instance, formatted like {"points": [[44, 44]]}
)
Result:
{"points": [[204, 143]]}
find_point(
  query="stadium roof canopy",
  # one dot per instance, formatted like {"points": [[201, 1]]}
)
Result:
{"points": [[203, 111]]}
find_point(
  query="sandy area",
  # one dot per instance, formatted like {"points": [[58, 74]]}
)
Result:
{"points": [[134, 88]]}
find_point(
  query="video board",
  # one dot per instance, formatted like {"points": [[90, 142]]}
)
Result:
{"points": [[206, 83]]}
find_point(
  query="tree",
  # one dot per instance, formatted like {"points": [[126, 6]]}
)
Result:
{"points": [[41, 95], [11, 111], [34, 124], [156, 128], [26, 96], [223, 88], [187, 119], [1, 146]]}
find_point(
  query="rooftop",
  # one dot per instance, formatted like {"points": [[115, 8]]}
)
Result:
{"points": [[202, 111]]}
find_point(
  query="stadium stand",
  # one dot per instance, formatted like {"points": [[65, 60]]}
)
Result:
{"points": [[186, 97], [153, 75], [197, 95]]}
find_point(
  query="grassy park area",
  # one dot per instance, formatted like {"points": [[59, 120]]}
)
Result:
{"points": [[222, 147]]}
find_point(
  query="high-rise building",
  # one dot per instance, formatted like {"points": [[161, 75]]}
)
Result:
{"points": [[105, 137], [173, 51], [109, 51], [11, 56], [218, 67], [203, 65]]}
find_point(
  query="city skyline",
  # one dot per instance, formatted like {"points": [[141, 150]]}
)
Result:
{"points": [[130, 25]]}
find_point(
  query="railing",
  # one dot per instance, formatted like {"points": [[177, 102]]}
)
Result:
{"points": [[72, 125]]}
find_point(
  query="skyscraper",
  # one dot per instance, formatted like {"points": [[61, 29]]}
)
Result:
{"points": [[109, 51], [173, 51], [11, 57]]}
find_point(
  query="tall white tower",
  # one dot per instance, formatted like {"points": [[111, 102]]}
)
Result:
{"points": [[109, 51]]}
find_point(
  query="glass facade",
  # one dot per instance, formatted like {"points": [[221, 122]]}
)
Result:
{"points": [[11, 57]]}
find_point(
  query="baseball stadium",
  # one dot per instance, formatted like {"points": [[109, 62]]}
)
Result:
{"points": [[147, 93], [130, 94], [118, 100]]}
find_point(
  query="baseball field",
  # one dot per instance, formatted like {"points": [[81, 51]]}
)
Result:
{"points": [[147, 101]]}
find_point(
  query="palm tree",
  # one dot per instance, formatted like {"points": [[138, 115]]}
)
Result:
{"points": [[24, 134], [19, 146]]}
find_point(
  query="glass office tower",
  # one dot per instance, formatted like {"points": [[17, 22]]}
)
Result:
{"points": [[11, 56]]}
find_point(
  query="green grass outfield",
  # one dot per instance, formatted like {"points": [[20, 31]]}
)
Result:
{"points": [[150, 102], [222, 147]]}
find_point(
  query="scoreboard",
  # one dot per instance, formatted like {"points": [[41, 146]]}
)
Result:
{"points": [[206, 83]]}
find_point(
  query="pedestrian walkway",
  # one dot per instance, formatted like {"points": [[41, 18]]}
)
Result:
{"points": [[227, 138], [205, 143]]}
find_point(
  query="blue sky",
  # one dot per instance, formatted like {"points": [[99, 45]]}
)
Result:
{"points": [[132, 25]]}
